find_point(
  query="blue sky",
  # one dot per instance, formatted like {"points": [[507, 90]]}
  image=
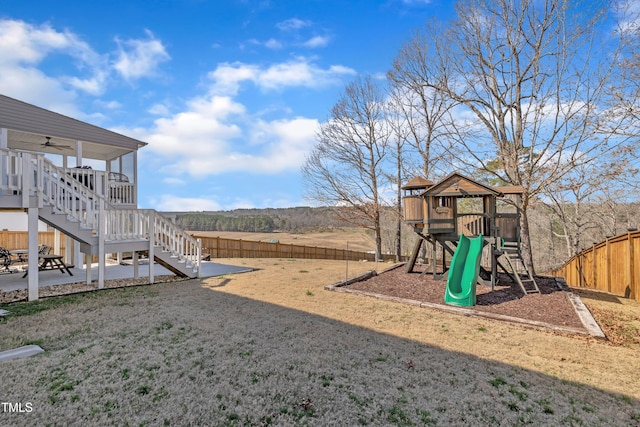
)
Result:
{"points": [[228, 94]]}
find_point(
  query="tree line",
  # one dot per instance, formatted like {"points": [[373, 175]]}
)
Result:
{"points": [[295, 219], [542, 94], [209, 222]]}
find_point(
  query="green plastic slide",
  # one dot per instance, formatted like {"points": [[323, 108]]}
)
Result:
{"points": [[463, 272]]}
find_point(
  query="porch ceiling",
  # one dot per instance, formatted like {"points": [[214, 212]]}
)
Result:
{"points": [[29, 125], [62, 146]]}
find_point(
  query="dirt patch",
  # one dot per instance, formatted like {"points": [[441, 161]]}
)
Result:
{"points": [[551, 306]]}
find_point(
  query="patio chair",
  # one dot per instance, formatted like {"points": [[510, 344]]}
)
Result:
{"points": [[5, 260], [43, 250]]}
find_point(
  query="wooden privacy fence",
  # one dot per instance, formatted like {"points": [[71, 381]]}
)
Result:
{"points": [[216, 247], [612, 266], [12, 240], [219, 247]]}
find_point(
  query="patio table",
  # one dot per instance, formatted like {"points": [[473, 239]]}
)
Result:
{"points": [[52, 262]]}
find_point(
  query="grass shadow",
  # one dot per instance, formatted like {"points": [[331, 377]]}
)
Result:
{"points": [[182, 354]]}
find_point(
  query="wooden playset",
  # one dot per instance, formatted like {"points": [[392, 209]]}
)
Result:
{"points": [[457, 205]]}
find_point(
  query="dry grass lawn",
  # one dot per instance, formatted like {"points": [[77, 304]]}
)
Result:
{"points": [[272, 347], [357, 238]]}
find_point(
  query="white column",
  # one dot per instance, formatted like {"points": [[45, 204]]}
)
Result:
{"points": [[56, 241], [135, 178], [32, 269], [199, 255], [27, 179], [152, 244], [78, 153], [68, 252], [4, 144], [77, 255], [136, 263], [101, 255], [87, 258]]}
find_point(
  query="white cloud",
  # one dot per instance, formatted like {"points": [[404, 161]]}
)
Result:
{"points": [[109, 105], [200, 132], [29, 44], [24, 46], [298, 72], [317, 41], [159, 110], [170, 203], [628, 15], [216, 135], [292, 24], [273, 147], [273, 44], [138, 58], [31, 85], [227, 77]]}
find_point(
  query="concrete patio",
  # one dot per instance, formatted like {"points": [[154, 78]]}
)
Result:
{"points": [[15, 281]]}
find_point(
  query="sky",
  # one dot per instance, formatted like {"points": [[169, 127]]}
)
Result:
{"points": [[228, 94]]}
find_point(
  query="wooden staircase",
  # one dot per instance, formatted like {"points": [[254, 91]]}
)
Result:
{"points": [[519, 272], [73, 208]]}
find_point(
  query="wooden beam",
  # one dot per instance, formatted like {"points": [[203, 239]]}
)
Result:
{"points": [[414, 255], [634, 285]]}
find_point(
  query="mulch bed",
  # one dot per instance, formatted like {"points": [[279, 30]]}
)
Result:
{"points": [[551, 306]]}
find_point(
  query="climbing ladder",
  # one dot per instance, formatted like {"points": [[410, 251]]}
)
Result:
{"points": [[517, 268]]}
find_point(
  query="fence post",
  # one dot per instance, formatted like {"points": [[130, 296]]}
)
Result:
{"points": [[633, 286], [593, 267], [608, 265]]}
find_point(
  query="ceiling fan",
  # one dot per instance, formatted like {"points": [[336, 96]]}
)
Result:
{"points": [[49, 143]]}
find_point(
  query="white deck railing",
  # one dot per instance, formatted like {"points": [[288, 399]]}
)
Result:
{"points": [[71, 192], [107, 184], [142, 224]]}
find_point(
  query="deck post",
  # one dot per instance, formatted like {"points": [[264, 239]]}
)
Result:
{"points": [[32, 222], [136, 264], [77, 255], [56, 241], [101, 254], [4, 143], [68, 251], [152, 244], [87, 263], [199, 258]]}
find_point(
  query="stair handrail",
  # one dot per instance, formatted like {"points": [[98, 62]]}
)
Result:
{"points": [[174, 239], [58, 189], [66, 194]]}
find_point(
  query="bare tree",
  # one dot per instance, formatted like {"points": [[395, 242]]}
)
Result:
{"points": [[569, 203], [426, 112], [345, 168], [534, 74], [399, 131]]}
